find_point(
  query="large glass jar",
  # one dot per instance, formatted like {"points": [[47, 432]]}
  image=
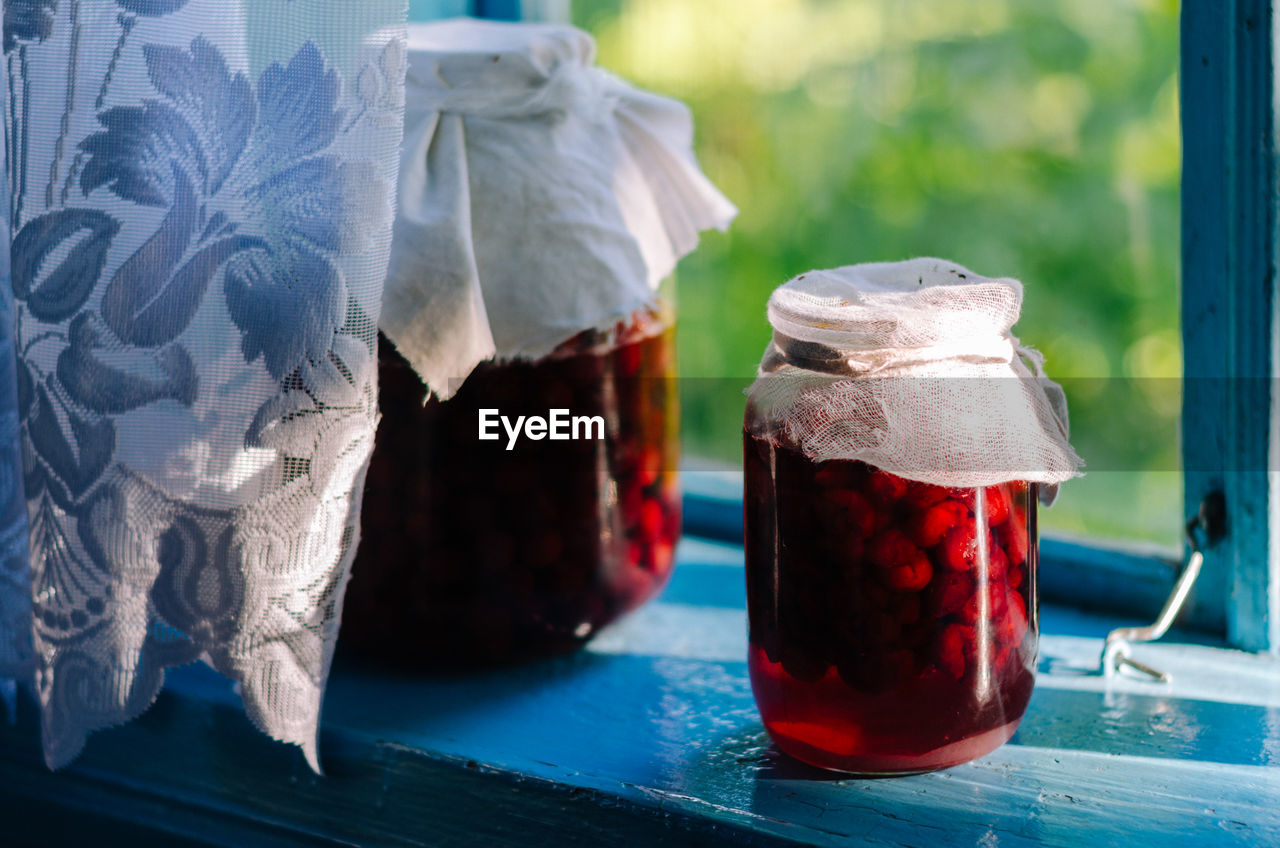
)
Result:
{"points": [[475, 554], [893, 624]]}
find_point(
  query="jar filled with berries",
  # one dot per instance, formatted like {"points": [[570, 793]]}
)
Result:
{"points": [[896, 444], [522, 490], [475, 554]]}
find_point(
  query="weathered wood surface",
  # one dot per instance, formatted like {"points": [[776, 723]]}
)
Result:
{"points": [[1230, 417], [651, 736]]}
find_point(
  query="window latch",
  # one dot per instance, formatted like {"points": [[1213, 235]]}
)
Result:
{"points": [[1208, 523]]}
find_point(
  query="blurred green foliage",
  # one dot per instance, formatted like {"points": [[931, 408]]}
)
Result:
{"points": [[1036, 139]]}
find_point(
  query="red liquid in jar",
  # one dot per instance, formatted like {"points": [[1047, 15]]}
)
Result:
{"points": [[892, 623], [473, 554]]}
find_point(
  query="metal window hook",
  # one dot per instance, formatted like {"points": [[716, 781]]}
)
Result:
{"points": [[1115, 652]]}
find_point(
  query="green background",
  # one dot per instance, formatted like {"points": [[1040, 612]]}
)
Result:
{"points": [[1036, 139]]}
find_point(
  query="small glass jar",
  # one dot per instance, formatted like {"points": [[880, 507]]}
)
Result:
{"points": [[893, 624], [896, 440], [473, 554]]}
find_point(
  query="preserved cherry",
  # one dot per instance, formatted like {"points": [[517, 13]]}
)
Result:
{"points": [[892, 623], [472, 553]]}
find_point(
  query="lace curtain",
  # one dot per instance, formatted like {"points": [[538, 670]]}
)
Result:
{"points": [[200, 195]]}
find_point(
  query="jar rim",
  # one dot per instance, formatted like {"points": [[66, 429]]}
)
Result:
{"points": [[916, 303]]}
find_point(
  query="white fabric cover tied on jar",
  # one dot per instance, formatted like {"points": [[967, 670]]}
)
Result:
{"points": [[539, 196], [912, 367]]}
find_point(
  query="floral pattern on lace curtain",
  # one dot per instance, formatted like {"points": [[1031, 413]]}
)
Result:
{"points": [[199, 234]]}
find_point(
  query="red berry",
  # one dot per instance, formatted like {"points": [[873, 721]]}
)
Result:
{"points": [[998, 592], [960, 547], [845, 508], [997, 505], [955, 645], [1015, 578], [996, 605], [630, 357], [911, 576], [997, 563], [925, 495], [650, 465], [951, 592], [886, 488], [932, 525], [1014, 626], [1012, 536], [652, 519], [1017, 512], [891, 549]]}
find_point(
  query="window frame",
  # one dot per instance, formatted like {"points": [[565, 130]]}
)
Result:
{"points": [[1229, 248]]}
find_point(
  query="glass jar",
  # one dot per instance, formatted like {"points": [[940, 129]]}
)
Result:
{"points": [[893, 624], [896, 440], [474, 554]]}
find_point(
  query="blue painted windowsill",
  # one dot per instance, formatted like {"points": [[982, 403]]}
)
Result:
{"points": [[651, 736]]}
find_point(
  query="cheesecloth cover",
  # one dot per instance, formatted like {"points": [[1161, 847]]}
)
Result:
{"points": [[539, 196], [911, 367]]}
